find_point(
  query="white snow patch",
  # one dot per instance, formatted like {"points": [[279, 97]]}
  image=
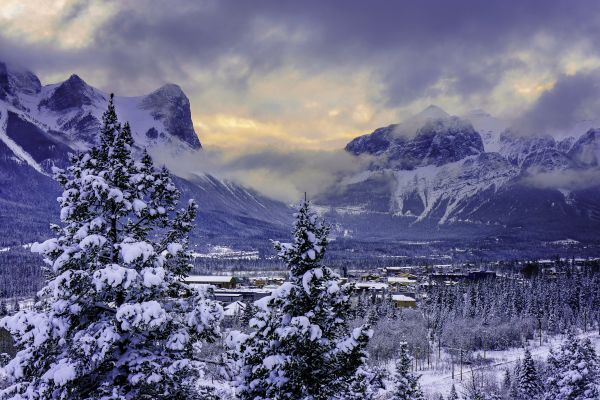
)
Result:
{"points": [[136, 250]]}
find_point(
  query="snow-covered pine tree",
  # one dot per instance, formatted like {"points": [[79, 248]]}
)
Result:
{"points": [[115, 320], [574, 372], [405, 383], [529, 387], [302, 347], [247, 313]]}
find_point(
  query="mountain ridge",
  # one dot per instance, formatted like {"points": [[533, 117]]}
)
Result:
{"points": [[40, 125], [470, 172]]}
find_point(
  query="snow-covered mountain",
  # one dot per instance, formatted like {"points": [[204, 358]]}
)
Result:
{"points": [[437, 170], [40, 125], [437, 142], [69, 113]]}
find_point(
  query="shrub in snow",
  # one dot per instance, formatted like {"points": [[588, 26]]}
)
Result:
{"points": [[302, 346], [481, 386], [115, 320]]}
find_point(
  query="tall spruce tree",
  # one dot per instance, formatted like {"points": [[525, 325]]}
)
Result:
{"points": [[529, 387], [405, 383], [302, 347], [115, 320]]}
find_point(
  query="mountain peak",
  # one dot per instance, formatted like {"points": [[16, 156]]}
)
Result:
{"points": [[171, 89], [433, 111], [437, 141], [72, 93], [170, 105], [75, 79]]}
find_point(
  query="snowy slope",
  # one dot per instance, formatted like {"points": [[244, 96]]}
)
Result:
{"points": [[449, 188], [12, 145]]}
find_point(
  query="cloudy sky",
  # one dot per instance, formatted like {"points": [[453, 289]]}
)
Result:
{"points": [[305, 77], [314, 74]]}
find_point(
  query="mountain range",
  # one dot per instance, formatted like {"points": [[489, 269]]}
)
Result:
{"points": [[41, 124], [446, 174], [432, 177]]}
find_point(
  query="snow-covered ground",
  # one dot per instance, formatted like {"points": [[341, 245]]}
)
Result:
{"points": [[439, 381]]}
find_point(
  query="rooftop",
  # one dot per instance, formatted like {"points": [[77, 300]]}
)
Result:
{"points": [[400, 279], [401, 297], [209, 279]]}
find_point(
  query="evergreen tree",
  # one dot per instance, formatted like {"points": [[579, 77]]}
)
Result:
{"points": [[529, 384], [361, 306], [406, 384], [506, 382], [514, 389], [115, 320], [453, 395], [3, 308], [574, 372], [248, 313], [302, 347]]}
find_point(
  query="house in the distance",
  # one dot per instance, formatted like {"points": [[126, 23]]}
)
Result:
{"points": [[219, 281], [234, 309], [378, 287], [401, 283], [402, 301]]}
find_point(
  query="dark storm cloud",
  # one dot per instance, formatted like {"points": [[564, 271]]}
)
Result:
{"points": [[572, 99], [409, 45]]}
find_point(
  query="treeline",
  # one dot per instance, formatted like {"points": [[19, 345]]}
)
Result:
{"points": [[21, 273], [503, 312]]}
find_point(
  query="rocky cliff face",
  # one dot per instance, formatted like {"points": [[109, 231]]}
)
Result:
{"points": [[586, 150], [438, 141], [170, 105]]}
